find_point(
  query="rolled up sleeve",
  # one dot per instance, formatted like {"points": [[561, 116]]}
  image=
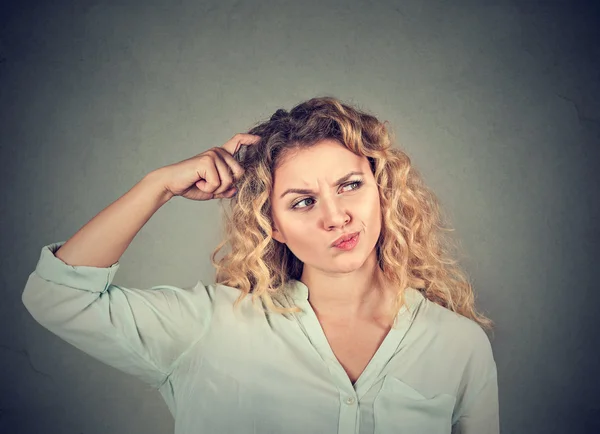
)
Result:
{"points": [[141, 332]]}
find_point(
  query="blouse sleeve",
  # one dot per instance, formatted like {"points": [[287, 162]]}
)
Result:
{"points": [[141, 332], [478, 409], [482, 415]]}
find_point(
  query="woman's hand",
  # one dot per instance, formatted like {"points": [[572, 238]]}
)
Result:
{"points": [[209, 175]]}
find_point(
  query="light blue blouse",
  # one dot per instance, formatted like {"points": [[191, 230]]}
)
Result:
{"points": [[251, 371]]}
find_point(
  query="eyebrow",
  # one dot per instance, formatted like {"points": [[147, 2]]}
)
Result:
{"points": [[305, 191]]}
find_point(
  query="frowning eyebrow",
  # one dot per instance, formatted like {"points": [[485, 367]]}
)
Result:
{"points": [[305, 191]]}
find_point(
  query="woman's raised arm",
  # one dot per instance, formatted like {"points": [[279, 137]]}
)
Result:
{"points": [[102, 241]]}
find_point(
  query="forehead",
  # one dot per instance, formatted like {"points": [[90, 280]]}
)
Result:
{"points": [[326, 161]]}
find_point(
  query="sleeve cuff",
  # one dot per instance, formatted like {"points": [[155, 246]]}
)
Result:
{"points": [[94, 279]]}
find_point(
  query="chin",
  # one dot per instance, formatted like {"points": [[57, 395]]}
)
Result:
{"points": [[349, 266]]}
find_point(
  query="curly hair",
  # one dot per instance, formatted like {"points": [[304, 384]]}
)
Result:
{"points": [[412, 249]]}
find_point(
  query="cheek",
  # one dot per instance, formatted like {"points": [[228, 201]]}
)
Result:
{"points": [[369, 206], [302, 244], [299, 234]]}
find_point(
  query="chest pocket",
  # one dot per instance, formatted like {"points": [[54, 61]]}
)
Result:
{"points": [[400, 409]]}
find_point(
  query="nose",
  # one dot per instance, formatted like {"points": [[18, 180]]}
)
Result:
{"points": [[334, 215]]}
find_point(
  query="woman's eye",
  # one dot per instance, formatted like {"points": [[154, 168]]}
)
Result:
{"points": [[303, 200], [356, 183]]}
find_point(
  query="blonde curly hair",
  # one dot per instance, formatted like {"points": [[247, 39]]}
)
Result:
{"points": [[412, 249]]}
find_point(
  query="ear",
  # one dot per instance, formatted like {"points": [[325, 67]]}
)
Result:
{"points": [[277, 236]]}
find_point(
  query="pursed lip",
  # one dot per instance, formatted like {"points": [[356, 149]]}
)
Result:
{"points": [[343, 238]]}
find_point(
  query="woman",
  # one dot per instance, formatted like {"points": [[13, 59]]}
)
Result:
{"points": [[300, 333]]}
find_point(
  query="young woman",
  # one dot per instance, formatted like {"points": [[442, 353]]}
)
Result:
{"points": [[337, 309]]}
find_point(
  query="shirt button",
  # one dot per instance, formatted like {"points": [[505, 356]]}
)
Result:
{"points": [[350, 400]]}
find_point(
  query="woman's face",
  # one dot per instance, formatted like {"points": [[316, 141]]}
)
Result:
{"points": [[309, 222]]}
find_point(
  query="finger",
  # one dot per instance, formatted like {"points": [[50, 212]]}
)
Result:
{"points": [[240, 139], [224, 172], [210, 179], [235, 168], [228, 194]]}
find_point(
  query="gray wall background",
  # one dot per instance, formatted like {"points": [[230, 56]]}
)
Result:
{"points": [[497, 103]]}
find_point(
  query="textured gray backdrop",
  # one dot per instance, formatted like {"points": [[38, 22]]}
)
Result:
{"points": [[497, 104]]}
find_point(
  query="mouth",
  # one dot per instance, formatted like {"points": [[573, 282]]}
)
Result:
{"points": [[345, 239]]}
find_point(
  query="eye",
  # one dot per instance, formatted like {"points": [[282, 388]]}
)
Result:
{"points": [[299, 202], [357, 184]]}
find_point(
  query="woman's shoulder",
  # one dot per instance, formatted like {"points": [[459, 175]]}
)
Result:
{"points": [[454, 326], [224, 298]]}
